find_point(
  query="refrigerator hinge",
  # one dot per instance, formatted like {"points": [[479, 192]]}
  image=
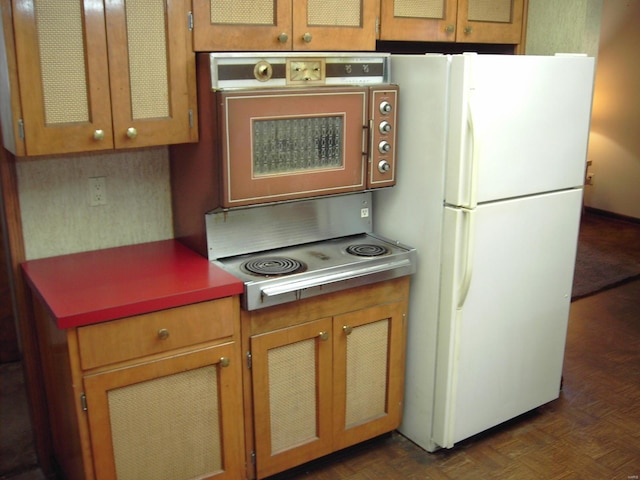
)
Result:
{"points": [[190, 21], [21, 129], [83, 402], [249, 360]]}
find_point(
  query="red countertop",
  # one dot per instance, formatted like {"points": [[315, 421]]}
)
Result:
{"points": [[91, 287]]}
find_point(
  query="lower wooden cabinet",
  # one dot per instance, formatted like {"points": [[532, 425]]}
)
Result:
{"points": [[167, 405], [325, 383]]}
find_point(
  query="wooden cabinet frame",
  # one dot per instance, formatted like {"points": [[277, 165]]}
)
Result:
{"points": [[321, 321], [102, 72], [286, 32]]}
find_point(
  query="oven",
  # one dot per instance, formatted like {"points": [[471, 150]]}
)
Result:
{"points": [[297, 126], [291, 251]]}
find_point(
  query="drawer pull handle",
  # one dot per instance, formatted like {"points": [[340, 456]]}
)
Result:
{"points": [[224, 361], [347, 329], [324, 336], [163, 334]]}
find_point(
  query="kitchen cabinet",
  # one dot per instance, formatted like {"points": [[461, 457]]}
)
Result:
{"points": [[326, 372], [275, 25], [83, 75], [462, 21], [155, 396]]}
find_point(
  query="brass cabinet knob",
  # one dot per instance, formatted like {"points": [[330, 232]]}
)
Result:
{"points": [[449, 28], [132, 132], [224, 361], [98, 135], [307, 37], [163, 334], [283, 37], [468, 30], [347, 329], [324, 336]]}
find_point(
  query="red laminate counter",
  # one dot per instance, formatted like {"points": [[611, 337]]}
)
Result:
{"points": [[91, 287]]}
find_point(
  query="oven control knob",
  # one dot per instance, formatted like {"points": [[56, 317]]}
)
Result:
{"points": [[384, 127], [384, 147], [383, 166], [385, 107]]}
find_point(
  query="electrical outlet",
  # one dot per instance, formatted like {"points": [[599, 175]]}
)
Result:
{"points": [[97, 191]]}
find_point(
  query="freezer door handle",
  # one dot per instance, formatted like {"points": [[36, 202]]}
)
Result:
{"points": [[468, 216], [473, 163]]}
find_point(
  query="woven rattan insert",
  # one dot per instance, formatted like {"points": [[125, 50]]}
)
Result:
{"points": [[168, 427]]}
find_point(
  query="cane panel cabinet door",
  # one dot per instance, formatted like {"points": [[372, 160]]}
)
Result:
{"points": [[284, 25], [369, 355], [462, 21], [86, 75], [169, 419], [292, 395]]}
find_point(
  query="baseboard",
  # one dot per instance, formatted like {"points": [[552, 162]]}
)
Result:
{"points": [[617, 216]]}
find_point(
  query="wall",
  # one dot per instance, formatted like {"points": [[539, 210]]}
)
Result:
{"points": [[54, 201], [614, 147]]}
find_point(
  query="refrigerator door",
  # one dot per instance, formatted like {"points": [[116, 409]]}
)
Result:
{"points": [[506, 291], [518, 125]]}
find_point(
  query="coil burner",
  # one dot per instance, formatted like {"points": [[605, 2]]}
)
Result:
{"points": [[273, 266], [367, 250]]}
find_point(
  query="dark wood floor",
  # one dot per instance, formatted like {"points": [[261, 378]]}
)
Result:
{"points": [[591, 432]]}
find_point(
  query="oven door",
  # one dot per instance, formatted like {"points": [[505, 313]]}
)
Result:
{"points": [[292, 143]]}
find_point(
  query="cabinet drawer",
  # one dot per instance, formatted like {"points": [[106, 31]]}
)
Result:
{"points": [[156, 332]]}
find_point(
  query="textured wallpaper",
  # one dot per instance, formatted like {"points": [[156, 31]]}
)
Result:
{"points": [[563, 26], [57, 217]]}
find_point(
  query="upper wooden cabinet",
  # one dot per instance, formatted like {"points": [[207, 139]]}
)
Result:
{"points": [[463, 21], [275, 25], [84, 75]]}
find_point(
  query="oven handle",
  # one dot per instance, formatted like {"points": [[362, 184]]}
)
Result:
{"points": [[332, 278]]}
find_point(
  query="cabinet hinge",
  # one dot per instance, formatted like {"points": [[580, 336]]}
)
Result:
{"points": [[21, 129], [190, 118], [249, 360], [83, 402], [190, 21], [377, 26], [253, 457]]}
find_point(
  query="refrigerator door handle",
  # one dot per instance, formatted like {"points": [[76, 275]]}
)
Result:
{"points": [[468, 216]]}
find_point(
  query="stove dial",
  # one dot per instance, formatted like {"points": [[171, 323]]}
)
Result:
{"points": [[385, 107], [384, 147], [383, 166], [384, 127]]}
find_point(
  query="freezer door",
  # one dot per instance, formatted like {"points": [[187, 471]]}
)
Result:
{"points": [[506, 290], [518, 125]]}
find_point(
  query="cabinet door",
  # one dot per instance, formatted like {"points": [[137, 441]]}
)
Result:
{"points": [[490, 21], [369, 359], [61, 54], [241, 25], [418, 20], [335, 24], [151, 67], [292, 387], [176, 418]]}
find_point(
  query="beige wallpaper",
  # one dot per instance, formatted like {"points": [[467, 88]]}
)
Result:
{"points": [[57, 217], [563, 26]]}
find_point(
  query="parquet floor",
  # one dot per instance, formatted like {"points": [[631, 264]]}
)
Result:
{"points": [[591, 432]]}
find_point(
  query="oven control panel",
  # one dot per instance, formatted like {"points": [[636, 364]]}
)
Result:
{"points": [[383, 119], [250, 70]]}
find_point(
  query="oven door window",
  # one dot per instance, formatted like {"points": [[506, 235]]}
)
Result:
{"points": [[289, 145]]}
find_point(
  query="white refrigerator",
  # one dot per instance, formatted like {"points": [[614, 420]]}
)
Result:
{"points": [[491, 164]]}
